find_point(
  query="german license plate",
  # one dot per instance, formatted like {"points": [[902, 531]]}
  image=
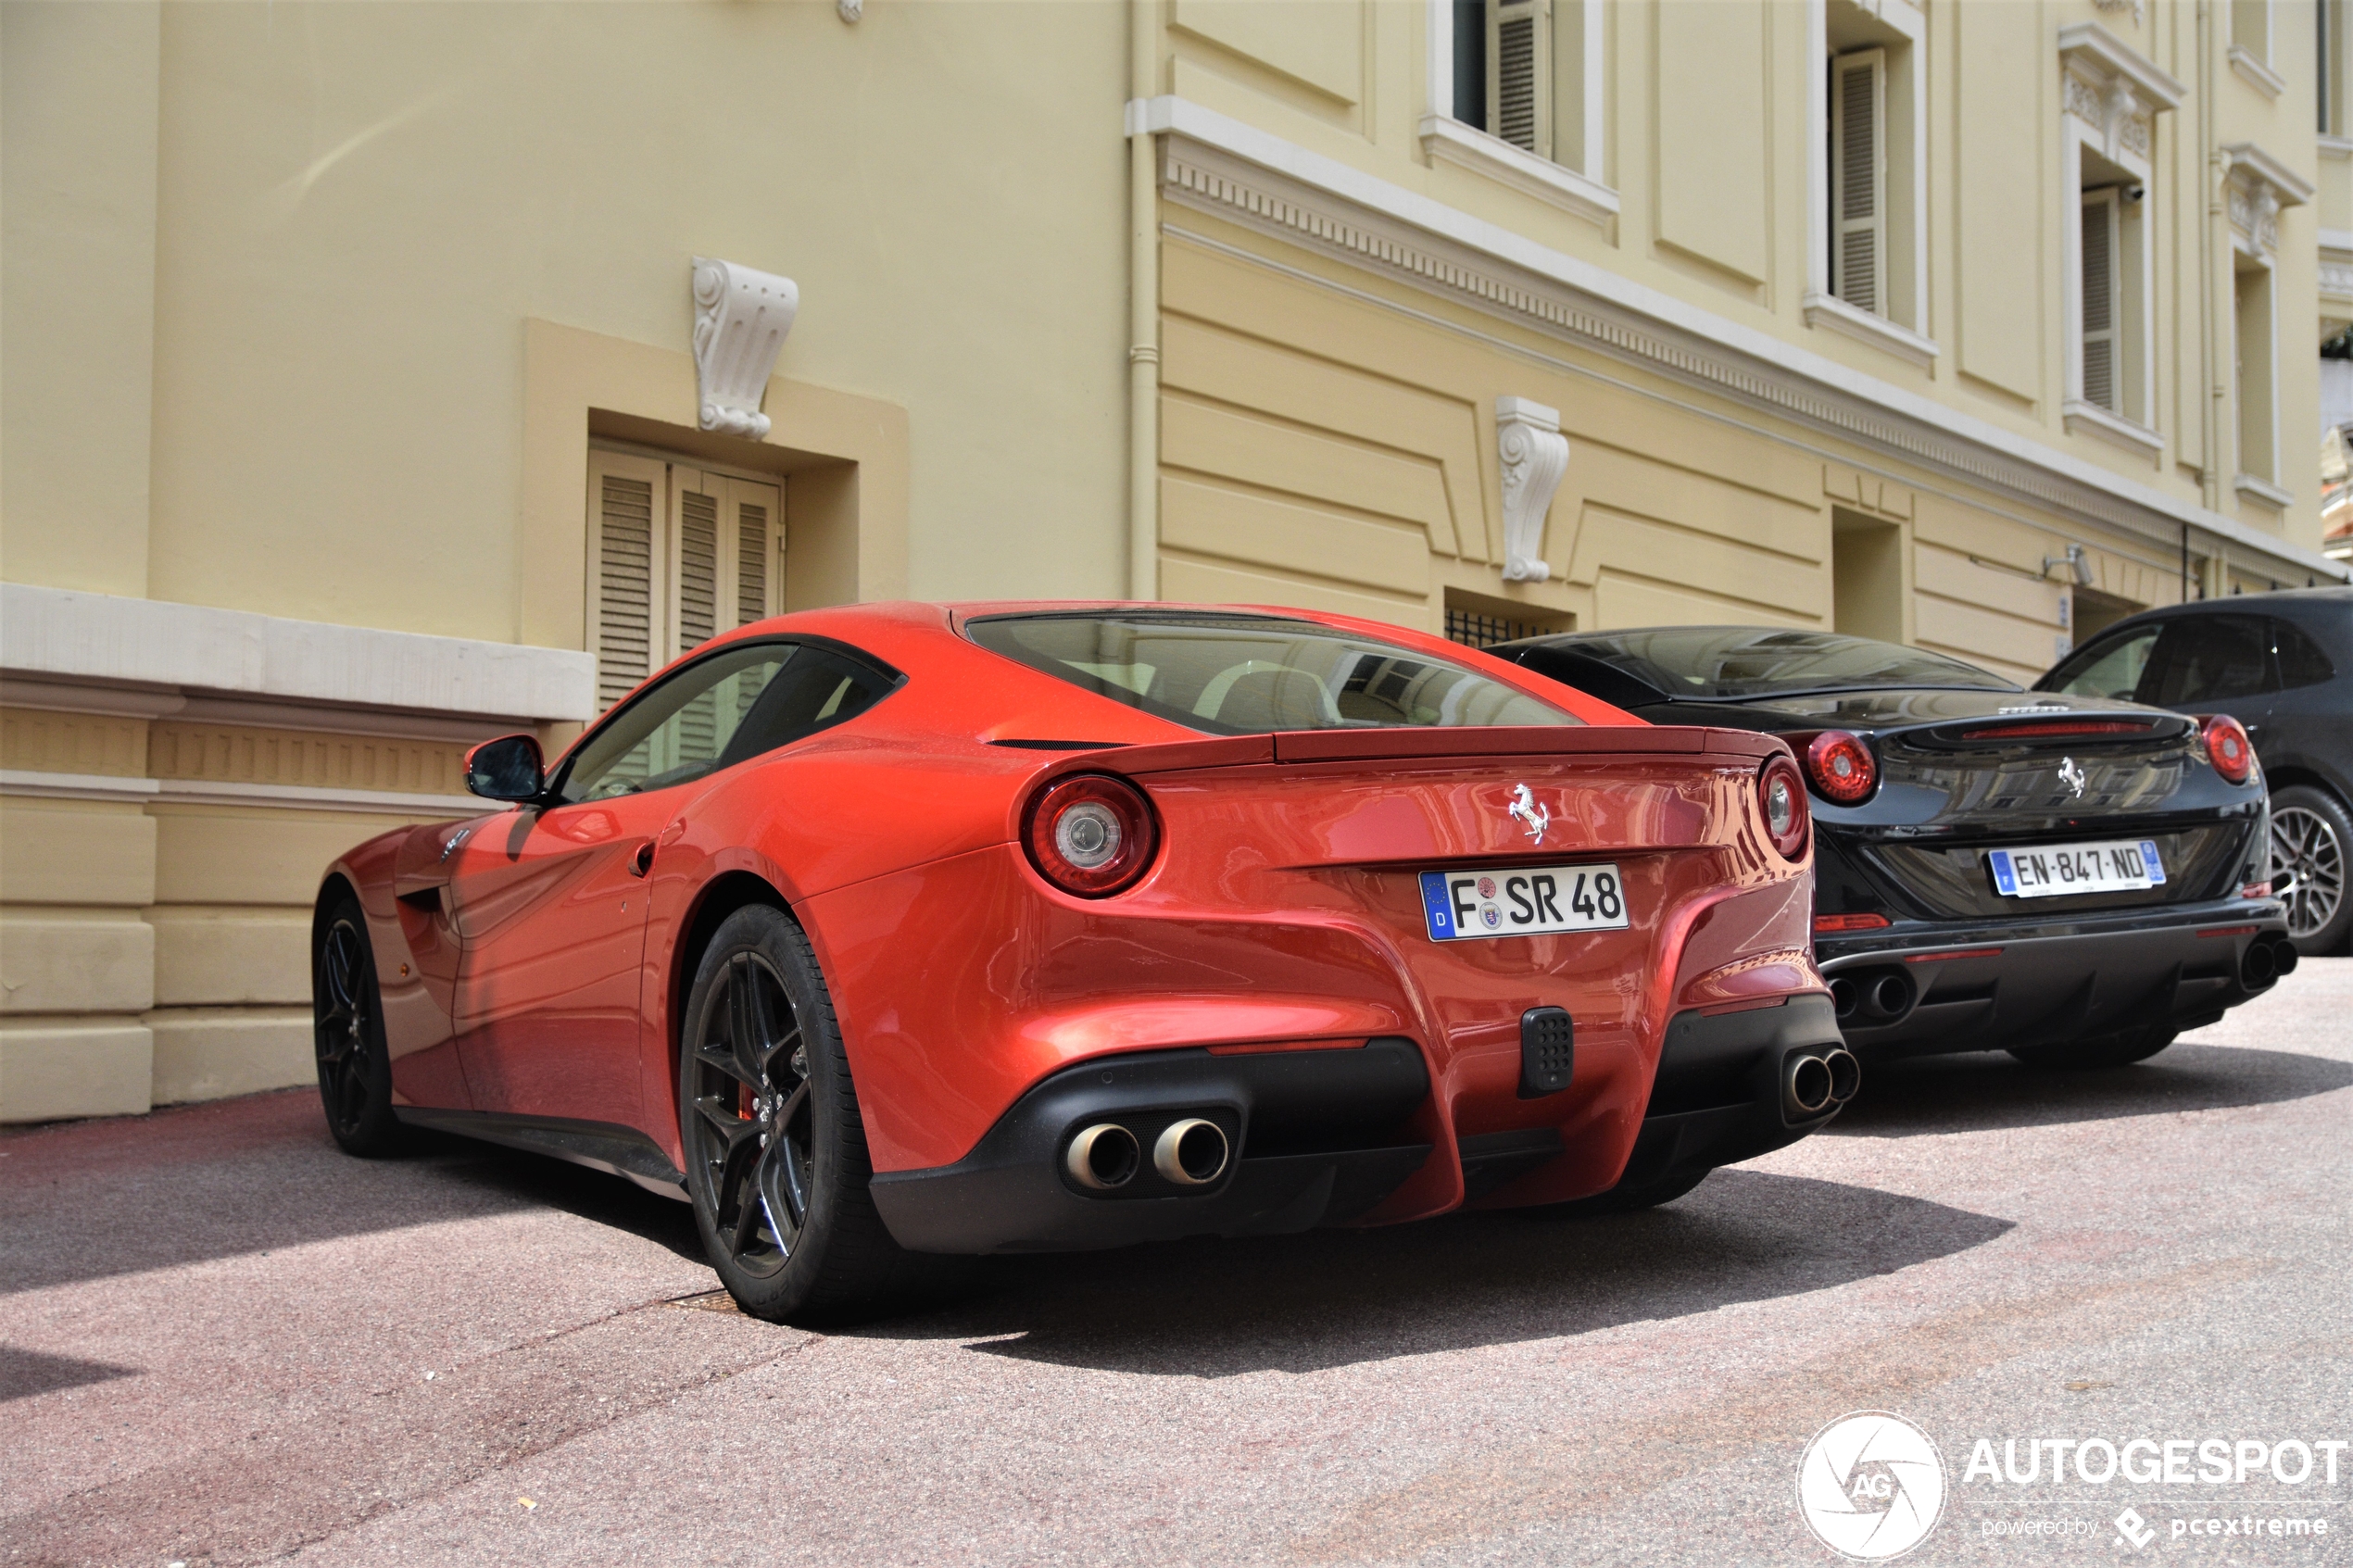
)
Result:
{"points": [[1523, 901], [2117, 866]]}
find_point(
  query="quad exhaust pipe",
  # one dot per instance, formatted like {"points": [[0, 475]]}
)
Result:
{"points": [[1873, 997], [2267, 960], [1190, 1152], [1814, 1084]]}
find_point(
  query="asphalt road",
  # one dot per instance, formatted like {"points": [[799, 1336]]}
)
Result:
{"points": [[221, 1341]]}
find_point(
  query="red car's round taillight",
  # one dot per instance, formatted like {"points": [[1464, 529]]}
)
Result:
{"points": [[2226, 743], [1841, 768], [1093, 835], [1782, 795]]}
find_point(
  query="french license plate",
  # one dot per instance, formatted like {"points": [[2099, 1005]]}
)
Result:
{"points": [[1524, 901], [2118, 866]]}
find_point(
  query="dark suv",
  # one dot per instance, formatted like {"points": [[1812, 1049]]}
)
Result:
{"points": [[2282, 665]]}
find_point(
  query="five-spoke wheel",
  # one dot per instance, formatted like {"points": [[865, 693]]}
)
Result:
{"points": [[355, 1074], [775, 1149], [752, 1125]]}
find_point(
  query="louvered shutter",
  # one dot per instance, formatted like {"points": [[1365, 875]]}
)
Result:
{"points": [[1520, 73], [2099, 298], [1858, 178], [755, 563], [628, 505]]}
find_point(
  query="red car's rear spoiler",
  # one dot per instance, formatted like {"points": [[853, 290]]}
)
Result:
{"points": [[1346, 745]]}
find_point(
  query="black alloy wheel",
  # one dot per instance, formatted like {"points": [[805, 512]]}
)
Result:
{"points": [[2311, 837], [753, 1128], [777, 1161], [355, 1071]]}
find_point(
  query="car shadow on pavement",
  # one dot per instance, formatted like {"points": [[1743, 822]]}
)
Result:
{"points": [[258, 1173], [1986, 1090], [1304, 1303]]}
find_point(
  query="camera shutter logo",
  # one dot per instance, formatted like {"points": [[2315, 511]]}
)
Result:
{"points": [[1871, 1486]]}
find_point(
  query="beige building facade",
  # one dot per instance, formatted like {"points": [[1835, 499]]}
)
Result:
{"points": [[353, 409]]}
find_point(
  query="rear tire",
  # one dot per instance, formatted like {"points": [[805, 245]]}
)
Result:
{"points": [[777, 1161], [1620, 1199], [346, 1010], [2312, 840], [2120, 1050]]}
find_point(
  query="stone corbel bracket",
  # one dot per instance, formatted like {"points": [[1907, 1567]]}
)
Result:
{"points": [[741, 316], [1535, 458], [2258, 185]]}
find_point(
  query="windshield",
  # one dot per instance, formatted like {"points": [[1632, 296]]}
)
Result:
{"points": [[1729, 663], [1248, 674]]}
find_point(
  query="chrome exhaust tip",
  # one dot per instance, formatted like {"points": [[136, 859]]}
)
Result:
{"points": [[2259, 967], [1102, 1156], [1846, 1075], [1190, 1153], [1890, 996], [1805, 1085], [2284, 958], [1842, 999]]}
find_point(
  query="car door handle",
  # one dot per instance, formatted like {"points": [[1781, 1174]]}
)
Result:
{"points": [[642, 861]]}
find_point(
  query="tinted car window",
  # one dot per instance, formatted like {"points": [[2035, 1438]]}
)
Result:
{"points": [[720, 711], [1728, 663], [1248, 674], [2201, 658], [2111, 669], [2303, 662]]}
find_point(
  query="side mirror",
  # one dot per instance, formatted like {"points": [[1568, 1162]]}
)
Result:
{"points": [[507, 769]]}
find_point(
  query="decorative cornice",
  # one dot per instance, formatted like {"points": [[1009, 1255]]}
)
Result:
{"points": [[1535, 458], [2293, 188], [1828, 310], [58, 635], [741, 316], [2099, 52], [1451, 140], [1255, 180], [199, 792]]}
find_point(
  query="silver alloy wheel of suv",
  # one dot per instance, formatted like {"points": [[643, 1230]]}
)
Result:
{"points": [[2307, 862]]}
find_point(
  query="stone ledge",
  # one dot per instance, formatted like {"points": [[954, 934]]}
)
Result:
{"points": [[211, 1053]]}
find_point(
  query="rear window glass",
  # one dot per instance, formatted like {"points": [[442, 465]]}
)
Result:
{"points": [[1240, 675], [1727, 663]]}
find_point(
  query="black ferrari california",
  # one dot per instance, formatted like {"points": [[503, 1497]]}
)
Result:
{"points": [[2072, 879]]}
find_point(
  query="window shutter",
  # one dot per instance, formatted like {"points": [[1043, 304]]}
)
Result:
{"points": [[625, 570], [1858, 178], [2099, 298], [1520, 73], [758, 510]]}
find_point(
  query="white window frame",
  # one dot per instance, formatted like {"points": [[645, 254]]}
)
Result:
{"points": [[1584, 192], [1820, 306], [2251, 63], [2109, 101]]}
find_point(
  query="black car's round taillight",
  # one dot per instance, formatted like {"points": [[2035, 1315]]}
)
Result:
{"points": [[1841, 768], [1091, 834], [1781, 795], [2228, 747]]}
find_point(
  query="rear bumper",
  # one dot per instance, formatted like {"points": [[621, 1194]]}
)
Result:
{"points": [[1996, 986], [1323, 1136]]}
